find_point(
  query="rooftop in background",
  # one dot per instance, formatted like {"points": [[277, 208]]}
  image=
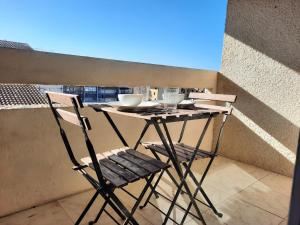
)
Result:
{"points": [[14, 95], [15, 45]]}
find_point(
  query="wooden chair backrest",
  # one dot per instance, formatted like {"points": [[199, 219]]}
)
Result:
{"points": [[213, 97], [78, 120], [65, 99], [72, 118], [228, 110], [69, 100]]}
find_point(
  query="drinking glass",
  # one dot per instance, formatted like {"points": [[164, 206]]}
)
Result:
{"points": [[145, 90], [170, 98]]}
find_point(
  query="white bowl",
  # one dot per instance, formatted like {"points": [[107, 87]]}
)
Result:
{"points": [[172, 98], [130, 99]]}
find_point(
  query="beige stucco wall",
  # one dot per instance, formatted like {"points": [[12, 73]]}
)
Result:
{"points": [[261, 64], [34, 167], [17, 66]]}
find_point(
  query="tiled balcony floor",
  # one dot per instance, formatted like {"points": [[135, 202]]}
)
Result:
{"points": [[243, 193]]}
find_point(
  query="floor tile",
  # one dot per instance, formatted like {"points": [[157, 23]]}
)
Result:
{"points": [[268, 195], [168, 189], [75, 204], [48, 214], [149, 211], [228, 175], [255, 172], [237, 212], [230, 179], [216, 194], [246, 195], [209, 219], [156, 217], [278, 183], [284, 222]]}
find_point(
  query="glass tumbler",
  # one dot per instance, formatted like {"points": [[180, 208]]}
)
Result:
{"points": [[170, 98]]}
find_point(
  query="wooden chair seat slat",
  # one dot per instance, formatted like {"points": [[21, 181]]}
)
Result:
{"points": [[183, 152], [148, 159], [111, 176], [141, 172], [200, 152], [161, 149], [187, 154], [128, 165], [126, 174], [135, 160]]}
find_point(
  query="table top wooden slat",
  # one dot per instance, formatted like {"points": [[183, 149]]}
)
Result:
{"points": [[180, 113]]}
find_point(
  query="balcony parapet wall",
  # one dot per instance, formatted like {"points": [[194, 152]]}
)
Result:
{"points": [[33, 162]]}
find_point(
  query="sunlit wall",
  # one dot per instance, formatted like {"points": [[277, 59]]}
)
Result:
{"points": [[260, 64]]}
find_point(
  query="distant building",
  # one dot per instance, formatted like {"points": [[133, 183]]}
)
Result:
{"points": [[54, 88], [97, 94]]}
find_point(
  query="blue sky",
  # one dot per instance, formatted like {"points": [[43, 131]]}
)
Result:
{"points": [[170, 32]]}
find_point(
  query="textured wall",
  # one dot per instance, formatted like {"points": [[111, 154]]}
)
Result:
{"points": [[261, 64], [33, 67], [34, 167]]}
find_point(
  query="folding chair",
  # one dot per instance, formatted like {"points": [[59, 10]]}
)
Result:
{"points": [[184, 152], [113, 169]]}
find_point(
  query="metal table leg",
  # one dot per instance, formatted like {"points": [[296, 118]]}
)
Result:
{"points": [[141, 136], [172, 154]]}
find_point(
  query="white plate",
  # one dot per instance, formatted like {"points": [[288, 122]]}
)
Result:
{"points": [[186, 102]]}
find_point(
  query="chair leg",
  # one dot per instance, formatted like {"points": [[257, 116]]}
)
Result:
{"points": [[116, 201], [87, 208], [153, 191], [174, 181], [116, 209], [110, 216], [138, 201], [100, 211], [153, 188], [107, 201], [199, 188], [210, 203]]}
